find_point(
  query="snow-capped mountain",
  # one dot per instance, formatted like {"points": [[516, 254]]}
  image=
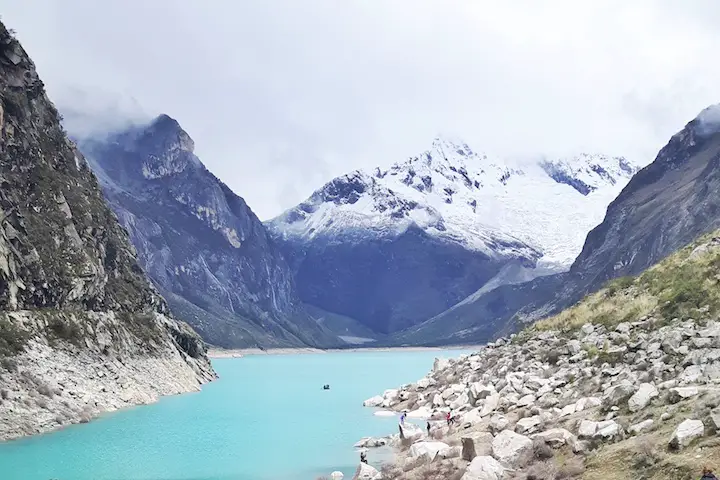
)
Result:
{"points": [[518, 218]]}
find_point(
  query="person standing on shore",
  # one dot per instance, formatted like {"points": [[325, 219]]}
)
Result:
{"points": [[428, 428], [402, 418]]}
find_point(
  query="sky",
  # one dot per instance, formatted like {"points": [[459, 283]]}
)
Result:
{"points": [[280, 96]]}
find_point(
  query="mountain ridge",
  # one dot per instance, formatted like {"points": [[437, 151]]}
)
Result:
{"points": [[199, 241]]}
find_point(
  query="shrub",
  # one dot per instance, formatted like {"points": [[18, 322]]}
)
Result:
{"points": [[9, 364], [542, 450], [572, 468], [63, 329], [12, 338], [546, 470]]}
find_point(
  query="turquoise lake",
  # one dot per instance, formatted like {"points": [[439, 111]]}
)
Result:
{"points": [[266, 418]]}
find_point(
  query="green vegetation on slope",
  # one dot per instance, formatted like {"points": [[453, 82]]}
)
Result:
{"points": [[684, 285]]}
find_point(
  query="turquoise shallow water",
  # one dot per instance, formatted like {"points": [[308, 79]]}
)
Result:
{"points": [[266, 418]]}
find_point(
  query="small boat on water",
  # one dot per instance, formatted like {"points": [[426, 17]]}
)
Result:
{"points": [[326, 387]]}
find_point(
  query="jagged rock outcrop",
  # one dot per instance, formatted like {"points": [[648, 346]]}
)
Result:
{"points": [[199, 242], [394, 247], [81, 328], [665, 206]]}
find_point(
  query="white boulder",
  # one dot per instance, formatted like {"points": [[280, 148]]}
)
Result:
{"points": [[556, 437], [484, 468], [375, 401], [643, 395], [685, 433], [430, 449], [509, 447], [640, 427], [384, 413], [367, 472], [422, 412]]}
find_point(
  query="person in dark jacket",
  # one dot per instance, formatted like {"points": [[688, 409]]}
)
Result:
{"points": [[708, 474]]}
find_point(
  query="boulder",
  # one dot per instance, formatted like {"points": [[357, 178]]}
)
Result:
{"points": [[375, 401], [587, 402], [587, 429], [681, 393], [367, 472], [423, 383], [418, 449], [685, 433], [484, 468], [471, 418], [510, 447], [490, 403], [438, 400], [476, 444], [528, 424], [498, 423], [568, 410], [371, 442], [411, 432], [336, 475], [440, 364], [557, 437], [640, 427], [641, 398], [608, 430], [526, 401], [460, 401], [618, 394]]}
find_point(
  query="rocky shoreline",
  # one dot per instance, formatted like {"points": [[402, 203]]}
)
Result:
{"points": [[53, 383], [599, 401]]}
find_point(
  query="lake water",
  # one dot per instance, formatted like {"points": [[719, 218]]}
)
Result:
{"points": [[266, 418]]}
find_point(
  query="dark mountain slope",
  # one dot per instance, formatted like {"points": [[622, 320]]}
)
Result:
{"points": [[200, 243]]}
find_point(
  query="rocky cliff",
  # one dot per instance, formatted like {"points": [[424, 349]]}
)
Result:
{"points": [[393, 247], [200, 243], [81, 329], [626, 384], [664, 207]]}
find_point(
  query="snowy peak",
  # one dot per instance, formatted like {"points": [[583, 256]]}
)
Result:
{"points": [[587, 173], [501, 207]]}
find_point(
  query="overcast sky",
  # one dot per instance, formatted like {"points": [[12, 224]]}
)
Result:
{"points": [[280, 96]]}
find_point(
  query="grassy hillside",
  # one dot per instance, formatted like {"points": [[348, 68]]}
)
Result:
{"points": [[684, 285]]}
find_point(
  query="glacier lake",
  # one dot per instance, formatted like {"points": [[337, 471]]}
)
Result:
{"points": [[266, 418]]}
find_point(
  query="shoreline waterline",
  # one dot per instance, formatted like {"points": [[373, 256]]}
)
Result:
{"points": [[214, 352]]}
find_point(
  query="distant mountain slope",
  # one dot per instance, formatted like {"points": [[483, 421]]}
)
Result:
{"points": [[395, 247], [664, 207], [199, 242]]}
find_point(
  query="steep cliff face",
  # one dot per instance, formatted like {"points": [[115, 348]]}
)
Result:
{"points": [[664, 207], [396, 246], [70, 287], [200, 243]]}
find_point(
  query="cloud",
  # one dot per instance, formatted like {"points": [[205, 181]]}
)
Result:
{"points": [[281, 96]]}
